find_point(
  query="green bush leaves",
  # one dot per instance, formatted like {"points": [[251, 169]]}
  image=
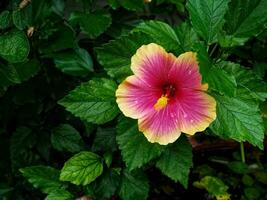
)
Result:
{"points": [[93, 101], [207, 17], [14, 46], [82, 169]]}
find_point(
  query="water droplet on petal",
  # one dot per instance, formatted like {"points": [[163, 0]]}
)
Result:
{"points": [[172, 115], [185, 115], [191, 120], [190, 72], [136, 101]]}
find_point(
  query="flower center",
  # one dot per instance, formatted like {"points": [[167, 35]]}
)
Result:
{"points": [[168, 91]]}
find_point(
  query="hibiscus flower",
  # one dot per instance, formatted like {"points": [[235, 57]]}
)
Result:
{"points": [[165, 94]]}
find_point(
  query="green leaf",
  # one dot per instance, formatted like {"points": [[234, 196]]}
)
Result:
{"points": [[128, 137], [247, 80], [186, 35], [5, 19], [176, 161], [218, 79], [43, 177], [18, 72], [252, 193], [93, 24], [22, 17], [116, 55], [93, 101], [238, 167], [213, 185], [105, 140], [106, 185], [82, 168], [57, 38], [161, 33], [66, 138], [239, 118], [14, 46], [207, 17], [134, 185], [77, 62], [59, 194], [246, 18]]}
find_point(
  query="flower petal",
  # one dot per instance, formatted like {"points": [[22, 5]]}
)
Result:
{"points": [[185, 72], [152, 63], [195, 111], [160, 126], [135, 98]]}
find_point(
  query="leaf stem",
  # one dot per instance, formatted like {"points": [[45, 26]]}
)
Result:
{"points": [[242, 150]]}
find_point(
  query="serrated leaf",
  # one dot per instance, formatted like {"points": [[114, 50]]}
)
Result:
{"points": [[213, 185], [43, 177], [161, 33], [217, 78], [93, 101], [176, 161], [247, 80], [207, 17], [134, 185], [82, 168], [93, 24], [186, 35], [116, 55], [66, 138], [136, 150], [59, 194], [105, 140], [239, 118], [14, 46], [246, 18], [77, 62]]}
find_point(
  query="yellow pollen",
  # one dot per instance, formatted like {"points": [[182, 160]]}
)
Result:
{"points": [[161, 103]]}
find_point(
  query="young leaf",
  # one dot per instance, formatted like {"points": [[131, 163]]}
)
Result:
{"points": [[176, 161], [59, 194], [239, 118], [77, 62], [116, 55], [245, 18], [213, 185], [82, 168], [134, 185], [136, 150], [14, 46], [66, 138], [93, 101], [162, 34], [207, 17], [43, 177], [93, 24]]}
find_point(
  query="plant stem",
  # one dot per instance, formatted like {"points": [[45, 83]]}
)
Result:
{"points": [[242, 150], [213, 49]]}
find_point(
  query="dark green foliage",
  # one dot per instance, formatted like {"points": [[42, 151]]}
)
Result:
{"points": [[62, 135]]}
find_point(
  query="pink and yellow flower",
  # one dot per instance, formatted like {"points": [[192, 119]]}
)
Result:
{"points": [[165, 94]]}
